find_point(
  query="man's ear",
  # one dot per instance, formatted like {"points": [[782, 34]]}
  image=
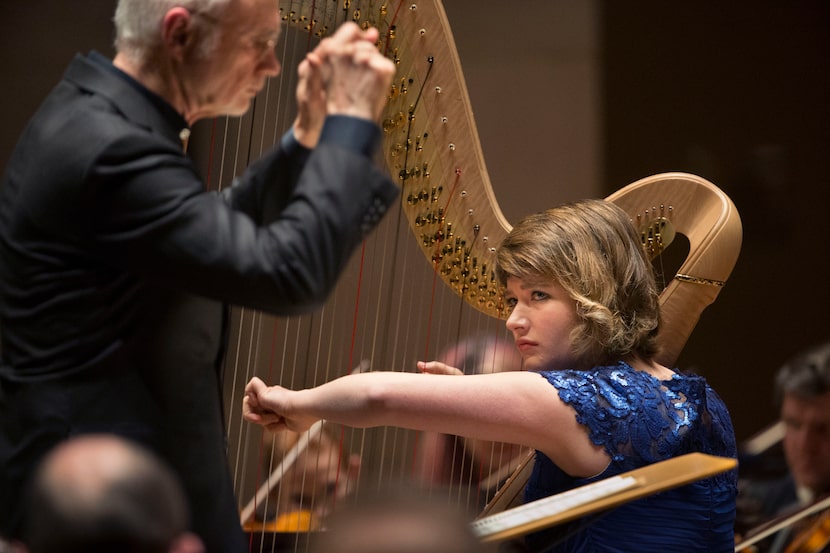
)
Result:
{"points": [[177, 32]]}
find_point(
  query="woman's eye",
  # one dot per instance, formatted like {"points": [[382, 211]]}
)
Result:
{"points": [[538, 295]]}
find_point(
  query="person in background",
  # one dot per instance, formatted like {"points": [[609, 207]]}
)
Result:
{"points": [[117, 266], [592, 401], [322, 473], [399, 519], [475, 469], [99, 492], [802, 396]]}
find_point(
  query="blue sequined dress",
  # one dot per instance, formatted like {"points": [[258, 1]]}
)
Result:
{"points": [[640, 420]]}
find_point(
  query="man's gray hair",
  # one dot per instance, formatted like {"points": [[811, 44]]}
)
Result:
{"points": [[138, 22]]}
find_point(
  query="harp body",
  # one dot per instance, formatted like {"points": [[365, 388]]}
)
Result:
{"points": [[402, 300]]}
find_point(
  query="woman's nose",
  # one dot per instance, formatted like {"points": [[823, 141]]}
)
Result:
{"points": [[515, 320]]}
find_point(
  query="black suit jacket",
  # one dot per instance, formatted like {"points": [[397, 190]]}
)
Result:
{"points": [[116, 265]]}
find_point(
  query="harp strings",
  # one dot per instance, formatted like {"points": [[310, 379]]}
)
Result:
{"points": [[389, 306]]}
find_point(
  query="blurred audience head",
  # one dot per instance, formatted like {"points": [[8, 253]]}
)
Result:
{"points": [[96, 493], [399, 520]]}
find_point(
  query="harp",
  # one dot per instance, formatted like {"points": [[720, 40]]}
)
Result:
{"points": [[401, 300]]}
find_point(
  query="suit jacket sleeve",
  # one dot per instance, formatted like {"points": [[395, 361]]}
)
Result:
{"points": [[276, 241]]}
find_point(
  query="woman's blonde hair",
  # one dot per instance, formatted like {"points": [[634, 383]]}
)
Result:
{"points": [[593, 251]]}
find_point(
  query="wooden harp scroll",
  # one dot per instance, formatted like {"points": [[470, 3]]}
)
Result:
{"points": [[679, 203]]}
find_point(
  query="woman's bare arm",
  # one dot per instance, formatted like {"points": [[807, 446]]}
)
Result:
{"points": [[514, 407]]}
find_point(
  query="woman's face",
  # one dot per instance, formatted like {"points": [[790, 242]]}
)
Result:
{"points": [[542, 316]]}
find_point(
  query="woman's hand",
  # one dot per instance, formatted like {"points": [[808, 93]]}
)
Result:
{"points": [[268, 406], [436, 367]]}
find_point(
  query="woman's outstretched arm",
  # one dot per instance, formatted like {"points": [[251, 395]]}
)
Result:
{"points": [[514, 407]]}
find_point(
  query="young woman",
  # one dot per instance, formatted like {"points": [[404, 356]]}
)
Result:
{"points": [[593, 402]]}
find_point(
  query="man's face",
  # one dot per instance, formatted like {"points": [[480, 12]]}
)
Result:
{"points": [[310, 486], [225, 80], [807, 440]]}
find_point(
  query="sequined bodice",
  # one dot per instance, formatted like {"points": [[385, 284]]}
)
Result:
{"points": [[639, 420]]}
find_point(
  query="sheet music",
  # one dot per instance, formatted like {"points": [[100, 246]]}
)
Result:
{"points": [[552, 505], [604, 494]]}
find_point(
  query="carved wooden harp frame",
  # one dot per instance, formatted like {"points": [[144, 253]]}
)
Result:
{"points": [[431, 146]]}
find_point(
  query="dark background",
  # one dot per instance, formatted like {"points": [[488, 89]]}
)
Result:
{"points": [[736, 92]]}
